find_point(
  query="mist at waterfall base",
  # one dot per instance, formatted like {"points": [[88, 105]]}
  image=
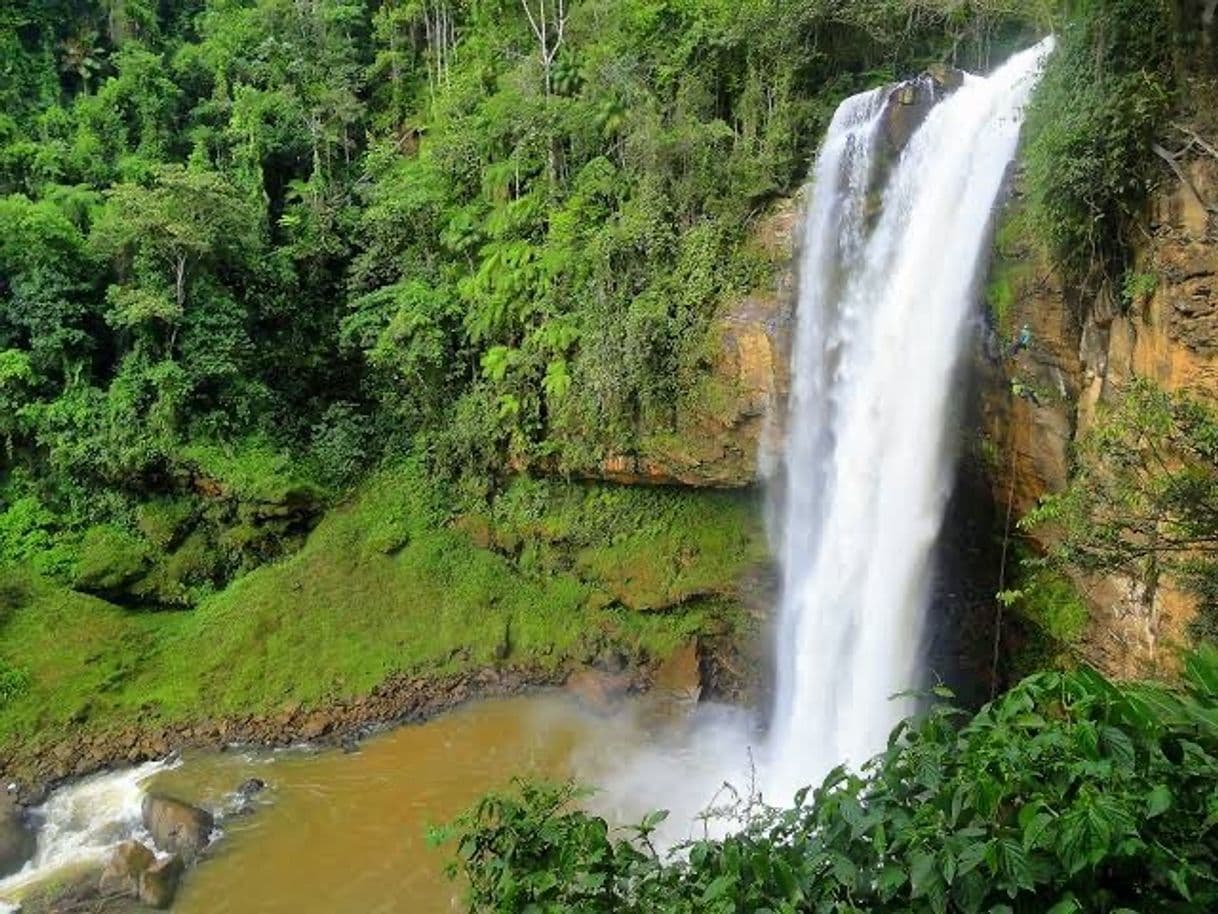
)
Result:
{"points": [[885, 311]]}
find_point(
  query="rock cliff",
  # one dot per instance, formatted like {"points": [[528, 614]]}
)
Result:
{"points": [[729, 420], [1082, 351]]}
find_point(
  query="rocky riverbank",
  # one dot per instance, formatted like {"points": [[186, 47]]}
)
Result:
{"points": [[32, 770]]}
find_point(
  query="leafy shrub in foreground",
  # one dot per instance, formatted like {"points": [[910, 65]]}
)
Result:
{"points": [[1068, 794]]}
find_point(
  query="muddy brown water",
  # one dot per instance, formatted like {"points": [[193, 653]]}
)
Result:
{"points": [[337, 832]]}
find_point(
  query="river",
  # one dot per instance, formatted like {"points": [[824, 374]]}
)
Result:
{"points": [[346, 831]]}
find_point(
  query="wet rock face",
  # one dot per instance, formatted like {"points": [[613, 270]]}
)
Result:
{"points": [[17, 842], [177, 827], [124, 869], [1083, 354], [910, 103], [679, 678], [599, 691]]}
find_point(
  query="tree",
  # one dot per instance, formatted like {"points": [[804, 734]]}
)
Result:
{"points": [[1143, 497], [549, 26], [160, 236]]}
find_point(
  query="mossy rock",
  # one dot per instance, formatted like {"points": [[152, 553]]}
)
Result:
{"points": [[111, 560], [163, 521]]}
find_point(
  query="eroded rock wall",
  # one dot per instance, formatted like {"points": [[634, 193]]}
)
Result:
{"points": [[1083, 351]]}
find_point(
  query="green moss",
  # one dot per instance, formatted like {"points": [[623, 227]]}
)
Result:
{"points": [[162, 520], [110, 559], [1050, 601], [387, 584], [1012, 271], [1000, 296], [76, 650], [253, 471]]}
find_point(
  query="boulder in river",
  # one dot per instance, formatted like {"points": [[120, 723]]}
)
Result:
{"points": [[16, 837], [126, 865], [242, 803], [177, 827], [159, 883], [251, 786], [597, 690]]}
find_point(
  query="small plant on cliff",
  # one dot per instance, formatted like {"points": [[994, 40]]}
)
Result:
{"points": [[1137, 288], [1068, 794], [1143, 498]]}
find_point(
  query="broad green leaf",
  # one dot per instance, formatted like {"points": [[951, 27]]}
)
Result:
{"points": [[1158, 801]]}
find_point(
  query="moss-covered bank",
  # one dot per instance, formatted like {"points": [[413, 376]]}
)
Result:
{"points": [[394, 582]]}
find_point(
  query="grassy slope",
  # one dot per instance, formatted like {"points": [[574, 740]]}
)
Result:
{"points": [[387, 583]]}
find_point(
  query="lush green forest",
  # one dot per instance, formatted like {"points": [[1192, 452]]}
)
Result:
{"points": [[264, 263], [252, 250]]}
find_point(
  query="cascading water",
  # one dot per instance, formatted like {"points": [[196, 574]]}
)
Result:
{"points": [[80, 824], [885, 302]]}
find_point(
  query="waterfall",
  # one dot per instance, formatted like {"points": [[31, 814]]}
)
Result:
{"points": [[885, 305]]}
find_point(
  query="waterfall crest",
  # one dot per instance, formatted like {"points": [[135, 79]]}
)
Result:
{"points": [[885, 303]]}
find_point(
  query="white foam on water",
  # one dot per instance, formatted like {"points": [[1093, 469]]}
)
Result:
{"points": [[81, 823]]}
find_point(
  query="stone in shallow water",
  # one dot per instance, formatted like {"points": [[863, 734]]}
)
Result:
{"points": [[177, 827], [159, 883], [251, 786], [124, 869]]}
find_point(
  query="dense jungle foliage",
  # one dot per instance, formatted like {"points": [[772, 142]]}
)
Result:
{"points": [[248, 250]]}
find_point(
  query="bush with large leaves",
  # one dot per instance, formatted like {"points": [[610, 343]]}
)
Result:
{"points": [[1068, 794]]}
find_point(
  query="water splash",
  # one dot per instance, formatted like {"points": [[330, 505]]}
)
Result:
{"points": [[81, 823], [885, 305]]}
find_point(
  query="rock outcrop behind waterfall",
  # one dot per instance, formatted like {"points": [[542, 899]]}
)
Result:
{"points": [[1084, 351]]}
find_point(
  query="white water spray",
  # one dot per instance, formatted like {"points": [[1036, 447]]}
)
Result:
{"points": [[884, 312], [80, 824]]}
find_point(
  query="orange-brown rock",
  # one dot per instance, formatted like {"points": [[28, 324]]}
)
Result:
{"points": [[597, 690], [1083, 354], [680, 676]]}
